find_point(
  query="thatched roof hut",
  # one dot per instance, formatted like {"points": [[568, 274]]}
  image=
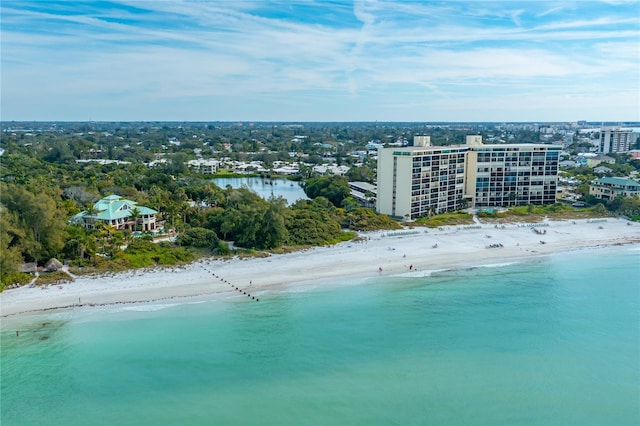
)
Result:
{"points": [[53, 265]]}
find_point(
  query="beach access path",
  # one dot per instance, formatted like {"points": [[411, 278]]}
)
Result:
{"points": [[410, 252]]}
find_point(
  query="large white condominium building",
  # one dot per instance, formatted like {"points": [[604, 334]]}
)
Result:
{"points": [[420, 180], [614, 139]]}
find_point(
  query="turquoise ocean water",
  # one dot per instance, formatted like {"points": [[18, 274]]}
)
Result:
{"points": [[549, 342]]}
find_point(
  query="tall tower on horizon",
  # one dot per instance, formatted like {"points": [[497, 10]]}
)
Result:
{"points": [[615, 139]]}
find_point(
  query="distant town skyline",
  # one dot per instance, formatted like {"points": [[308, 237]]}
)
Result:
{"points": [[327, 61]]}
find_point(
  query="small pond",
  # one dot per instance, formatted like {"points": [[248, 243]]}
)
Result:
{"points": [[265, 187]]}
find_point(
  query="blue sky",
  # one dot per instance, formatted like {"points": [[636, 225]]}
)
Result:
{"points": [[320, 60]]}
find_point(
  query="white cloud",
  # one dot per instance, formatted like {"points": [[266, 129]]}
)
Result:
{"points": [[550, 11], [387, 51]]}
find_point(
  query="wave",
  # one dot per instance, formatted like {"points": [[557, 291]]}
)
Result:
{"points": [[495, 265], [430, 272], [296, 290], [149, 308], [421, 273]]}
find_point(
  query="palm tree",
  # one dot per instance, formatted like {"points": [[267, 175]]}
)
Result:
{"points": [[102, 233], [90, 214], [135, 215]]}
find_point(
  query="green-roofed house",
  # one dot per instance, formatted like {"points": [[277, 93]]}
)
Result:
{"points": [[116, 212], [609, 188]]}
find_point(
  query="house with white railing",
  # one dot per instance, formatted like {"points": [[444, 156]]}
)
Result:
{"points": [[609, 188], [118, 213]]}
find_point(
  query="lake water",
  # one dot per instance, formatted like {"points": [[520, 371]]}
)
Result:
{"points": [[549, 342], [289, 190]]}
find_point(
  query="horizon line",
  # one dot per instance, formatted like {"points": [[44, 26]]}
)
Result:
{"points": [[321, 121]]}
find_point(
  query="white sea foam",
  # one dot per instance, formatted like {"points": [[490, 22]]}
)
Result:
{"points": [[430, 272], [198, 302], [293, 290], [421, 273], [149, 308], [495, 265], [325, 267]]}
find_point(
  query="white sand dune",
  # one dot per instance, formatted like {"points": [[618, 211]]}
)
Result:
{"points": [[408, 253]]}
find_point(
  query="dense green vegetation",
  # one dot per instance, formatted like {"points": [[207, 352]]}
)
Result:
{"points": [[557, 208], [333, 188], [34, 228], [454, 218], [42, 185], [534, 213], [51, 171], [314, 222], [142, 253], [202, 238], [362, 219], [625, 206]]}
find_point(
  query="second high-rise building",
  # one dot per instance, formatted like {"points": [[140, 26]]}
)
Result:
{"points": [[421, 180]]}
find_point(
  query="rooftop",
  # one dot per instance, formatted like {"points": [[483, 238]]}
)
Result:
{"points": [[618, 181]]}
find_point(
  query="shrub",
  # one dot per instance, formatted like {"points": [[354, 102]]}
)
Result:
{"points": [[444, 219], [363, 219], [14, 277], [142, 253], [199, 237]]}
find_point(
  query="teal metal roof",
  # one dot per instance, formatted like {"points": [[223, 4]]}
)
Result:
{"points": [[78, 217], [146, 210], [618, 181], [115, 207]]}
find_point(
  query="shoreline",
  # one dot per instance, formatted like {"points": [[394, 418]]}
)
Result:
{"points": [[409, 253]]}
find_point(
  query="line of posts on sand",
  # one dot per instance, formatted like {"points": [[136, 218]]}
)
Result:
{"points": [[238, 289], [241, 291]]}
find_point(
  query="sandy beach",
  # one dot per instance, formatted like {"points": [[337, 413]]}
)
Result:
{"points": [[412, 252]]}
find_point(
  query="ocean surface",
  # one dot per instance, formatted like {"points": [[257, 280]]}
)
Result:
{"points": [[550, 342]]}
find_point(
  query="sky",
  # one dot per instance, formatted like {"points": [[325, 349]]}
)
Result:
{"points": [[320, 60]]}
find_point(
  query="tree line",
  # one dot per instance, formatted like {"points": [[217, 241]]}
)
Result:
{"points": [[36, 205]]}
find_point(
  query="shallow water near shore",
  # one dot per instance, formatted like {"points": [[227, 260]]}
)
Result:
{"points": [[556, 341]]}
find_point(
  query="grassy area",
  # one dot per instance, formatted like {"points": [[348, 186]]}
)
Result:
{"points": [[344, 236], [533, 214], [445, 219], [528, 214], [145, 254], [248, 253], [56, 277], [140, 253]]}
